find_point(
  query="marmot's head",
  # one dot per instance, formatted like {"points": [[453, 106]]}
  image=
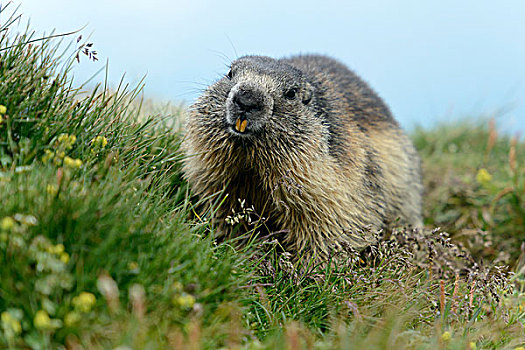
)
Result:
{"points": [[261, 103], [264, 91]]}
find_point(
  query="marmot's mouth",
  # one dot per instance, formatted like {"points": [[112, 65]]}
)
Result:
{"points": [[237, 132], [240, 125], [244, 126]]}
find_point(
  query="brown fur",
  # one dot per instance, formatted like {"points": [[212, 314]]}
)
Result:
{"points": [[321, 166]]}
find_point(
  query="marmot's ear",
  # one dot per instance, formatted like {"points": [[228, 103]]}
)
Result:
{"points": [[307, 93]]}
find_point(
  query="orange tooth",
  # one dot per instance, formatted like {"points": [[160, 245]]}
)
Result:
{"points": [[243, 125], [238, 124]]}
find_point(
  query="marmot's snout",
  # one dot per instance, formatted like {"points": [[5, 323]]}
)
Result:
{"points": [[248, 101], [247, 108]]}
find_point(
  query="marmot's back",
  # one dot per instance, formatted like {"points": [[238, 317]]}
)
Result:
{"points": [[310, 146], [361, 99]]}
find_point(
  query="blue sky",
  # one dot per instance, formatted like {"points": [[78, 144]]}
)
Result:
{"points": [[430, 60]]}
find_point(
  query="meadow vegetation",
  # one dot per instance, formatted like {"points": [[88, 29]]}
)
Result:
{"points": [[102, 247]]}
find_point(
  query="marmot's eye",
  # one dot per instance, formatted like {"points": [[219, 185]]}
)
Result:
{"points": [[290, 94], [230, 74]]}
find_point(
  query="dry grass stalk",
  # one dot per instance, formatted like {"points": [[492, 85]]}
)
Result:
{"points": [[512, 154], [455, 293], [442, 296], [293, 341]]}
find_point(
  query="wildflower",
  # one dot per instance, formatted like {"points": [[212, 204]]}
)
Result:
{"points": [[519, 348], [472, 345], [72, 163], [446, 336], [28, 220], [483, 177], [3, 111], [42, 320], [7, 223], [63, 138], [47, 156], [67, 140], [133, 265], [84, 301], [10, 323], [64, 257], [52, 189], [56, 249], [71, 318], [99, 141], [186, 301]]}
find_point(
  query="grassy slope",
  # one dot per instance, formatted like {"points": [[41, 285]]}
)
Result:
{"points": [[81, 216], [462, 200]]}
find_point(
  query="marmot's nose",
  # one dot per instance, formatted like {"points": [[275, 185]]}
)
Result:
{"points": [[248, 100]]}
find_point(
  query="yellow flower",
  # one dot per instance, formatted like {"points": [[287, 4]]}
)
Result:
{"points": [[42, 320], [7, 223], [63, 138], [3, 109], [56, 249], [72, 318], [52, 189], [68, 161], [483, 176], [186, 301], [9, 322], [472, 345], [47, 156], [446, 336], [519, 348], [67, 140], [64, 257], [72, 163], [99, 141], [133, 265], [84, 301]]}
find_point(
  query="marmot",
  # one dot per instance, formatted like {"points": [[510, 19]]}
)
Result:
{"points": [[310, 146]]}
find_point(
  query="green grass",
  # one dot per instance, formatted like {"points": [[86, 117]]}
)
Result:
{"points": [[488, 215], [99, 245]]}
